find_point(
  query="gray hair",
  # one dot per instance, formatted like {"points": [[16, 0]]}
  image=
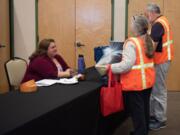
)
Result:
{"points": [[140, 25], [152, 7]]}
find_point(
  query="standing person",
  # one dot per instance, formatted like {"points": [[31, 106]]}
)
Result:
{"points": [[137, 74], [46, 63], [162, 36]]}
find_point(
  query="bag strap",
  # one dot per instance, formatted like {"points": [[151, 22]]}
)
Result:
{"points": [[110, 75]]}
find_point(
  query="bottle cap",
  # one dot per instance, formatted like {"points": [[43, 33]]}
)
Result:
{"points": [[81, 55]]}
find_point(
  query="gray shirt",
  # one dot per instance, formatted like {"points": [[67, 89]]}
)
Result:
{"points": [[129, 58]]}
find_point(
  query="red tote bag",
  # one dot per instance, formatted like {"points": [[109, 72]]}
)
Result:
{"points": [[111, 99]]}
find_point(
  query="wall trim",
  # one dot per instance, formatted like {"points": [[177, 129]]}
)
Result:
{"points": [[11, 29], [112, 19], [36, 22], [11, 22], [126, 19]]}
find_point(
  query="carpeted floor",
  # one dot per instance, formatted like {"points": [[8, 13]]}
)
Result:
{"points": [[173, 122]]}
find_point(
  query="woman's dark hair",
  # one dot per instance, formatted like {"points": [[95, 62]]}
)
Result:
{"points": [[42, 48], [140, 26]]}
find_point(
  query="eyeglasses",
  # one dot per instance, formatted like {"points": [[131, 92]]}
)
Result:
{"points": [[141, 14], [133, 17]]}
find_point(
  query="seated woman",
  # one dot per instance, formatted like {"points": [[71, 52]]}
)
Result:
{"points": [[45, 63]]}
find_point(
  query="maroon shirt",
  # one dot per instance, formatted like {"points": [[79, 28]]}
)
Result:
{"points": [[42, 67]]}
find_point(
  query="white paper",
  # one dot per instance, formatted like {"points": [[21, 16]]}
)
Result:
{"points": [[68, 80], [46, 82], [78, 76]]}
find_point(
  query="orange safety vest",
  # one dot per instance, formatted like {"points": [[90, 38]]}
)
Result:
{"points": [[167, 48], [142, 74]]}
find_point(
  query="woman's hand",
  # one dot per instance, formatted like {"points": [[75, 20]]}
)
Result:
{"points": [[64, 74], [102, 69], [67, 73], [72, 72]]}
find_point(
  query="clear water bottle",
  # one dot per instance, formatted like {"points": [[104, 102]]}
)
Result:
{"points": [[81, 64]]}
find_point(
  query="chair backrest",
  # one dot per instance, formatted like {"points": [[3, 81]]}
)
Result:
{"points": [[15, 70]]}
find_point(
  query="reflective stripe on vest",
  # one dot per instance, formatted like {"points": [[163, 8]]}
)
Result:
{"points": [[168, 42], [142, 66]]}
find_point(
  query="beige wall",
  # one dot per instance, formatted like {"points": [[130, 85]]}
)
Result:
{"points": [[4, 39], [172, 12], [24, 28], [119, 20]]}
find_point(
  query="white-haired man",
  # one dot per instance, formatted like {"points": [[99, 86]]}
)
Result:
{"points": [[162, 37]]}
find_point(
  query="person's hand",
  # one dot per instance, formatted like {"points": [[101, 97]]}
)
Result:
{"points": [[108, 66], [67, 73], [102, 69], [68, 70], [64, 74], [72, 71]]}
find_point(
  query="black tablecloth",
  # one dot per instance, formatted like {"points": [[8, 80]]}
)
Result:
{"points": [[57, 109]]}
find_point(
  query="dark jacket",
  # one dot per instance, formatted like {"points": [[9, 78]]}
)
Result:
{"points": [[42, 67]]}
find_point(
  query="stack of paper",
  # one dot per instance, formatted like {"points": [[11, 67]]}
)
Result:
{"points": [[48, 82], [68, 81]]}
